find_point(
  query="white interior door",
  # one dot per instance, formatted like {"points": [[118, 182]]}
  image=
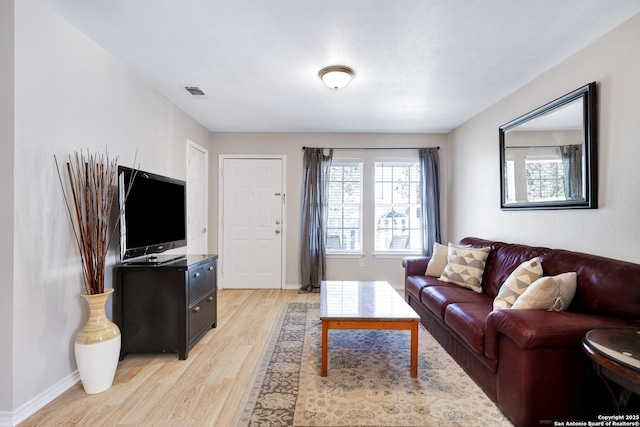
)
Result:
{"points": [[252, 229], [197, 172]]}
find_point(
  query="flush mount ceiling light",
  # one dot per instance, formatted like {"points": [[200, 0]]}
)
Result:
{"points": [[336, 76]]}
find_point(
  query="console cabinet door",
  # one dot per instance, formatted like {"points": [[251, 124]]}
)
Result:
{"points": [[152, 319], [201, 281], [202, 317]]}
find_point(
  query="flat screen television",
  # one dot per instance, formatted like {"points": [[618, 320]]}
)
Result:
{"points": [[152, 215]]}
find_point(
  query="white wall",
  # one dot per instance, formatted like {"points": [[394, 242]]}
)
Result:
{"points": [[291, 145], [612, 230], [6, 196], [69, 94]]}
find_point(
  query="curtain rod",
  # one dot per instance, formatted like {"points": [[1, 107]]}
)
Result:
{"points": [[542, 146], [370, 148]]}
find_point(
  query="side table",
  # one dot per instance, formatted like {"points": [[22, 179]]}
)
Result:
{"points": [[615, 354]]}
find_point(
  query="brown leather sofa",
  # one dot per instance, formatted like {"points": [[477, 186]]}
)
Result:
{"points": [[527, 361]]}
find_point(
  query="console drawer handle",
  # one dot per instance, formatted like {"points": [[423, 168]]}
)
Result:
{"points": [[210, 268], [196, 275], [210, 298], [196, 309]]}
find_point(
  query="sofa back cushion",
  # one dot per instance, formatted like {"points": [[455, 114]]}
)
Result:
{"points": [[503, 259], [605, 286]]}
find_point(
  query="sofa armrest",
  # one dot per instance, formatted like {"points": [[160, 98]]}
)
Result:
{"points": [[530, 329], [414, 265]]}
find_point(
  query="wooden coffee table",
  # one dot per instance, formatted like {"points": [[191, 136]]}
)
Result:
{"points": [[365, 305]]}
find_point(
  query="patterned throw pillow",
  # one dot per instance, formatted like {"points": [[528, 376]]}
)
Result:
{"points": [[465, 267], [518, 282], [549, 293], [439, 259]]}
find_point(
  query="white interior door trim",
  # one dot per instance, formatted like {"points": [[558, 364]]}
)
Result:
{"points": [[199, 147], [283, 158]]}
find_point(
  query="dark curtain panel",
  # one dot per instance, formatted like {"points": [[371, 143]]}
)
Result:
{"points": [[430, 201], [572, 163], [315, 182]]}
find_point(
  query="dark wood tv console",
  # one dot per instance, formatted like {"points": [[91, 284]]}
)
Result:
{"points": [[165, 307]]}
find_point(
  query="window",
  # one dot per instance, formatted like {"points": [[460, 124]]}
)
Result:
{"points": [[545, 180], [510, 178], [345, 207], [397, 207]]}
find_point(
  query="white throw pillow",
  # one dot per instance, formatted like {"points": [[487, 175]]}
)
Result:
{"points": [[549, 293], [465, 267], [439, 259], [517, 282]]}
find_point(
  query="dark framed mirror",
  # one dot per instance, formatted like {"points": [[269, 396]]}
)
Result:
{"points": [[548, 156]]}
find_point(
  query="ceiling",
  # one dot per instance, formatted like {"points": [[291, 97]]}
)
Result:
{"points": [[421, 65]]}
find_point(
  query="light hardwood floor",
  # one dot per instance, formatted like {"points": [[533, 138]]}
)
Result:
{"points": [[160, 390]]}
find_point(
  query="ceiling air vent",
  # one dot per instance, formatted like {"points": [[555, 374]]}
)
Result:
{"points": [[196, 91]]}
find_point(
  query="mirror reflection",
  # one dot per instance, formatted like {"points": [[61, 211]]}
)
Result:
{"points": [[547, 155]]}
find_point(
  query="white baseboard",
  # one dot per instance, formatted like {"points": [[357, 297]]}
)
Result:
{"points": [[11, 419], [397, 286], [6, 419]]}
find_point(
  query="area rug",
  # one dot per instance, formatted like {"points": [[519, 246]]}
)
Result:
{"points": [[368, 381]]}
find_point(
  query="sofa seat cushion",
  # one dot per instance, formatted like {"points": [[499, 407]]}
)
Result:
{"points": [[437, 298], [468, 321], [415, 284]]}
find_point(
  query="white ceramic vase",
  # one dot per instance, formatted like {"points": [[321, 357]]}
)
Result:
{"points": [[97, 346]]}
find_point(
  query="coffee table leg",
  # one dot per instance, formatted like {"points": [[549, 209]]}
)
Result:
{"points": [[414, 350], [325, 336]]}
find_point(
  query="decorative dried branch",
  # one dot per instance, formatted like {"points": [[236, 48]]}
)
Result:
{"points": [[92, 180]]}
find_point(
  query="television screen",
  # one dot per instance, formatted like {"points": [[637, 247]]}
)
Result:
{"points": [[152, 213]]}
